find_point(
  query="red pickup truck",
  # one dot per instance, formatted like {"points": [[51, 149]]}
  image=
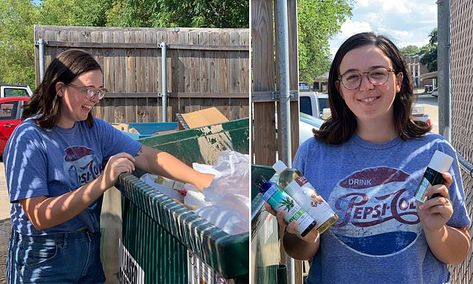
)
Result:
{"points": [[11, 109]]}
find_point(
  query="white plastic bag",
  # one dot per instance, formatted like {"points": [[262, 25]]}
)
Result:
{"points": [[227, 202], [195, 199]]}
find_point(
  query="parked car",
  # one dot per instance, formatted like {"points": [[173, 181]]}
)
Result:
{"points": [[428, 89], [435, 92], [15, 91], [11, 109], [306, 124], [313, 103], [304, 86], [418, 112]]}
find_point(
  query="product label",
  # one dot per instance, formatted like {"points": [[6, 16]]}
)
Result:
{"points": [[130, 270], [421, 190], [281, 201], [306, 196], [430, 178]]}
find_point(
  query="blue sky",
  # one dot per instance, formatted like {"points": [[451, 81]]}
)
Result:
{"points": [[405, 22]]}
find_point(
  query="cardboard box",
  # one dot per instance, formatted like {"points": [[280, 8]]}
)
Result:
{"points": [[121, 126], [201, 118]]}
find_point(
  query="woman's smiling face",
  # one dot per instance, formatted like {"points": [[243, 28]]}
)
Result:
{"points": [[369, 101], [75, 105]]}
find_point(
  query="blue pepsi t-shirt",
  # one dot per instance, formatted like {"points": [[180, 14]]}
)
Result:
{"points": [[378, 237], [51, 162]]}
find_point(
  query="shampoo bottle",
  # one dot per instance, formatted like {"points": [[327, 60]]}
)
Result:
{"points": [[439, 163], [281, 201], [297, 186]]}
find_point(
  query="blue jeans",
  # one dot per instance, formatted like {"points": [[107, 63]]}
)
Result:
{"points": [[58, 258]]}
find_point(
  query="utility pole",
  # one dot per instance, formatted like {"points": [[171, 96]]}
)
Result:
{"points": [[443, 65]]}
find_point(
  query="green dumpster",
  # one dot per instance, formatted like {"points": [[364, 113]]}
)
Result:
{"points": [[265, 256], [162, 240]]}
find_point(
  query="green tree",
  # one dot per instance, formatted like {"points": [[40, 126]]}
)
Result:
{"points": [[74, 12], [17, 18], [409, 50], [16, 41], [179, 13], [129, 13], [429, 52], [317, 22]]}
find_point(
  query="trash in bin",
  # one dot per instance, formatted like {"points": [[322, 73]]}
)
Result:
{"points": [[226, 199], [171, 188], [165, 242], [140, 130], [225, 202]]}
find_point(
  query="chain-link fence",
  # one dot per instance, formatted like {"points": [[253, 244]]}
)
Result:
{"points": [[461, 64]]}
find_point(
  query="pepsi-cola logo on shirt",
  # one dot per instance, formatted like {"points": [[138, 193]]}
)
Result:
{"points": [[377, 214], [81, 165]]}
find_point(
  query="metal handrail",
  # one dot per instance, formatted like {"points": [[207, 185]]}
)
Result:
{"points": [[467, 166]]}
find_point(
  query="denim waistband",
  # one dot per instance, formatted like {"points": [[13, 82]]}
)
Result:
{"points": [[79, 234]]}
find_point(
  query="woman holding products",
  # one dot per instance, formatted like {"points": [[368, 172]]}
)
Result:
{"points": [[367, 160]]}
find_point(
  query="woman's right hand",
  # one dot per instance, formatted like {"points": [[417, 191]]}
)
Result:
{"points": [[116, 165], [291, 228]]}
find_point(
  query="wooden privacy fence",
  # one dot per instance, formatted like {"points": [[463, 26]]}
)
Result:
{"points": [[265, 143], [205, 67], [264, 86]]}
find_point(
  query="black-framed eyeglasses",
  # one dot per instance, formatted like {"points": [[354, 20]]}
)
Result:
{"points": [[377, 76], [90, 92]]}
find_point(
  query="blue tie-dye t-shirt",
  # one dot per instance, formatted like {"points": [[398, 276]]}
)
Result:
{"points": [[378, 237], [51, 162]]}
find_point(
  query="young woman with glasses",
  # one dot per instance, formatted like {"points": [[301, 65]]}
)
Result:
{"points": [[367, 160], [58, 163]]}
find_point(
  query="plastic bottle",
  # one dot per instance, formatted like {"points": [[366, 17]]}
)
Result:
{"points": [[281, 201], [297, 186], [439, 163]]}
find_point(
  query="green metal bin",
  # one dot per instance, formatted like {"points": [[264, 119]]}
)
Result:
{"points": [[162, 240]]}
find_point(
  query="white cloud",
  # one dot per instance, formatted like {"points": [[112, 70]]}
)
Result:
{"points": [[405, 22], [348, 29], [398, 6]]}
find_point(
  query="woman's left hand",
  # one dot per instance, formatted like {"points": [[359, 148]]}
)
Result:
{"points": [[435, 212]]}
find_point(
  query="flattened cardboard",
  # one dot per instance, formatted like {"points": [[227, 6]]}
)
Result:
{"points": [[201, 118]]}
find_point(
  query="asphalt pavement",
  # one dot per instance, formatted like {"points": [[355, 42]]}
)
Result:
{"points": [[4, 223]]}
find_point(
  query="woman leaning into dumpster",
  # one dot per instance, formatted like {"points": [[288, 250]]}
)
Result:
{"points": [[366, 161], [58, 163]]}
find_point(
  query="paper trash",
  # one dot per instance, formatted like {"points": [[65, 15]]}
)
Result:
{"points": [[166, 186]]}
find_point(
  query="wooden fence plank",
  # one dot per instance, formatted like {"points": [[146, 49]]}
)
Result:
{"points": [[204, 63], [234, 65], [224, 69], [263, 76], [194, 66], [244, 63]]}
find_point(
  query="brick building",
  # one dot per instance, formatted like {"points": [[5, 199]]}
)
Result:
{"points": [[421, 77]]}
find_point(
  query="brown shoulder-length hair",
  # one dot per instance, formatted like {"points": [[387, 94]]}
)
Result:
{"points": [[342, 124], [65, 68]]}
